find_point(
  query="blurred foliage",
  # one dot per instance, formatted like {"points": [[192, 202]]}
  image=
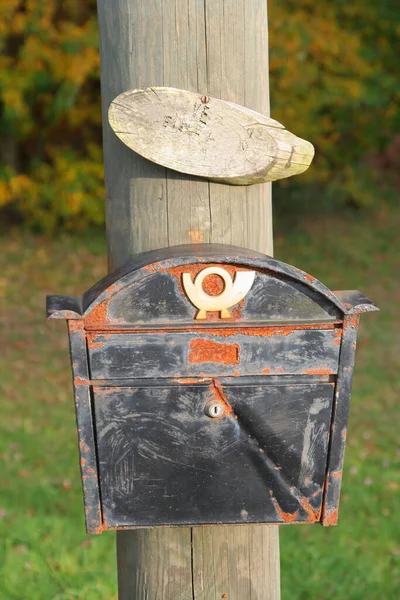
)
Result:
{"points": [[51, 172], [334, 81], [334, 67]]}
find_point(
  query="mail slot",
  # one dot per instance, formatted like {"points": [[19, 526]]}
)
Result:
{"points": [[212, 385]]}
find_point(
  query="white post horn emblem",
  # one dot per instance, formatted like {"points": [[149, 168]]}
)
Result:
{"points": [[233, 292]]}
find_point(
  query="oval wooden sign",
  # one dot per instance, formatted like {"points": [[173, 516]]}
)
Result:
{"points": [[207, 137]]}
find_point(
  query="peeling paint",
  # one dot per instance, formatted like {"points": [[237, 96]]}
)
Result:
{"points": [[320, 371], [79, 381], [207, 351], [75, 325], [283, 516], [313, 514], [331, 518], [217, 390], [92, 337]]}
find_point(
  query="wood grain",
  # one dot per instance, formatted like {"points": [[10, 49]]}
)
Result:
{"points": [[236, 562], [154, 564], [207, 137], [218, 48]]}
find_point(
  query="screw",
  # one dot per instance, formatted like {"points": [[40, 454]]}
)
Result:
{"points": [[205, 99], [215, 410]]}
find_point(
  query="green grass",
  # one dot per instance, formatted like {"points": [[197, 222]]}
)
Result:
{"points": [[45, 553]]}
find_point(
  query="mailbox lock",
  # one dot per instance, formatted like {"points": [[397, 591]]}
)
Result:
{"points": [[215, 410]]}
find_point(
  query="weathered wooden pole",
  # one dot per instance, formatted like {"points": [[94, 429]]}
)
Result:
{"points": [[217, 48]]}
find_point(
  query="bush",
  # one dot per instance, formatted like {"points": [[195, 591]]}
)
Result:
{"points": [[334, 81], [51, 173]]}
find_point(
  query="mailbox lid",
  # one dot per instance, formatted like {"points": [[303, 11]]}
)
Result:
{"points": [[163, 461], [215, 353]]}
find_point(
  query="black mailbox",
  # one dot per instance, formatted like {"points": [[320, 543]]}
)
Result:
{"points": [[212, 385]]}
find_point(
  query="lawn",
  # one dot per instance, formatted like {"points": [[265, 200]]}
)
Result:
{"points": [[45, 553]]}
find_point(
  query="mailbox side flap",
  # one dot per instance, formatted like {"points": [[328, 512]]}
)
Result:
{"points": [[64, 307], [354, 302]]}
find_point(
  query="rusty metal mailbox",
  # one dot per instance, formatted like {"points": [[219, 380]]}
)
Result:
{"points": [[212, 385]]}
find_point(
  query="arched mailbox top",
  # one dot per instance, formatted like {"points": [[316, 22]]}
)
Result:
{"points": [[204, 283]]}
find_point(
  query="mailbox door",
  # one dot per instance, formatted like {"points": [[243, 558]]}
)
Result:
{"points": [[163, 460]]}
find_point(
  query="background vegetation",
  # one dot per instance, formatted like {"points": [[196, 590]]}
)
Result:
{"points": [[333, 77], [334, 80]]}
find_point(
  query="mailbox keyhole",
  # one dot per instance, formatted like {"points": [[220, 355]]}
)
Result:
{"points": [[215, 410]]}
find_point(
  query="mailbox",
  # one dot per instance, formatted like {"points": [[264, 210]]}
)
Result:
{"points": [[212, 385]]}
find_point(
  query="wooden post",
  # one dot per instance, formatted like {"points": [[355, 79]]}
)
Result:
{"points": [[217, 48]]}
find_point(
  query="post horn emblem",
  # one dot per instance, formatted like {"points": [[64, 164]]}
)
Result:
{"points": [[234, 291]]}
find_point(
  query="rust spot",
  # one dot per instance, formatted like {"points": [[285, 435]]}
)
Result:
{"points": [[320, 371], [313, 515], [90, 470], [102, 527], [152, 268], [331, 518], [68, 314], [337, 474], [351, 321], [284, 516], [202, 350], [91, 337], [83, 462], [196, 236], [279, 370], [83, 447], [187, 380], [344, 434], [91, 476], [75, 325], [98, 316], [338, 336], [79, 381], [218, 393], [266, 371], [213, 285], [309, 277]]}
